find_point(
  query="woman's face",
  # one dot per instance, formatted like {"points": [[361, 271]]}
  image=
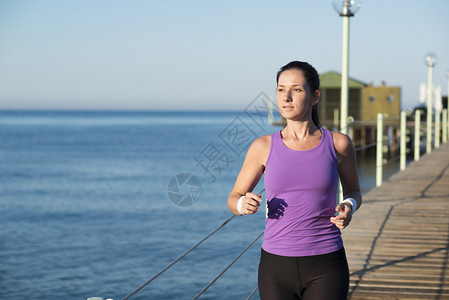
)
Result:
{"points": [[294, 97]]}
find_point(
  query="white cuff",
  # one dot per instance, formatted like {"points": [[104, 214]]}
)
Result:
{"points": [[353, 203], [239, 205]]}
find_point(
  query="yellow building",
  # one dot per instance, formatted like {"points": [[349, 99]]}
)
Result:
{"points": [[365, 100]]}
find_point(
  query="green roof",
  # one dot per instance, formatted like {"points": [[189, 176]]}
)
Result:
{"points": [[333, 80]]}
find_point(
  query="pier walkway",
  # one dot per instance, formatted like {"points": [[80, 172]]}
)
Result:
{"points": [[398, 242]]}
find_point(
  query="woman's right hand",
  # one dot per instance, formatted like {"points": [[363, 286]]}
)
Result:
{"points": [[251, 203]]}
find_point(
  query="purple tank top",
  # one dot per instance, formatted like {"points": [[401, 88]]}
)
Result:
{"points": [[301, 190]]}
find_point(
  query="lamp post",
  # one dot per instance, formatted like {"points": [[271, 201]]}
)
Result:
{"points": [[445, 114], [430, 61], [346, 9]]}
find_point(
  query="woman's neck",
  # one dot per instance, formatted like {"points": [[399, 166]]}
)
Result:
{"points": [[299, 130]]}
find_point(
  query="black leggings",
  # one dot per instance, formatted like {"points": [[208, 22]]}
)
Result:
{"points": [[318, 277]]}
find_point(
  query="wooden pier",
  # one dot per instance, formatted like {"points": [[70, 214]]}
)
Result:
{"points": [[398, 242]]}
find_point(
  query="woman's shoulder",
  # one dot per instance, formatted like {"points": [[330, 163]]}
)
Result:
{"points": [[342, 142], [262, 143], [260, 148]]}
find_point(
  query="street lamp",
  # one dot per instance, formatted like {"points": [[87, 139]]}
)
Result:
{"points": [[346, 9], [431, 59]]}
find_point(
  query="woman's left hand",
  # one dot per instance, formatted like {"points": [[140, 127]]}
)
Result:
{"points": [[344, 217]]}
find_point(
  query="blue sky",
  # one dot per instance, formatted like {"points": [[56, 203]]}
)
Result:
{"points": [[175, 55]]}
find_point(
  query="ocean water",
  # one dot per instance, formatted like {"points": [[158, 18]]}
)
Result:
{"points": [[94, 203]]}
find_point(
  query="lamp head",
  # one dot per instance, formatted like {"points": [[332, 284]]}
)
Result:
{"points": [[431, 59], [346, 8]]}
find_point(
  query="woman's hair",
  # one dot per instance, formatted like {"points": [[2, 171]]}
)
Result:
{"points": [[312, 78]]}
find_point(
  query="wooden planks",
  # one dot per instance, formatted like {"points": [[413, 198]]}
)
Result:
{"points": [[398, 242]]}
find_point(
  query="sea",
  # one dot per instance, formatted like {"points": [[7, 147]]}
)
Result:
{"points": [[96, 203]]}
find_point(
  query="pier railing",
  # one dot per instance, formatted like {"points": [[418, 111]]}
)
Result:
{"points": [[395, 137], [385, 140], [439, 134]]}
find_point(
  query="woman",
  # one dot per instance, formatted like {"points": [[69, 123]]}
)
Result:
{"points": [[302, 254]]}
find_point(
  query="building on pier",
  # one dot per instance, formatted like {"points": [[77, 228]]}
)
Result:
{"points": [[365, 100]]}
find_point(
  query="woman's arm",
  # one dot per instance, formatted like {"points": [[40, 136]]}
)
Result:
{"points": [[250, 174], [349, 178]]}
